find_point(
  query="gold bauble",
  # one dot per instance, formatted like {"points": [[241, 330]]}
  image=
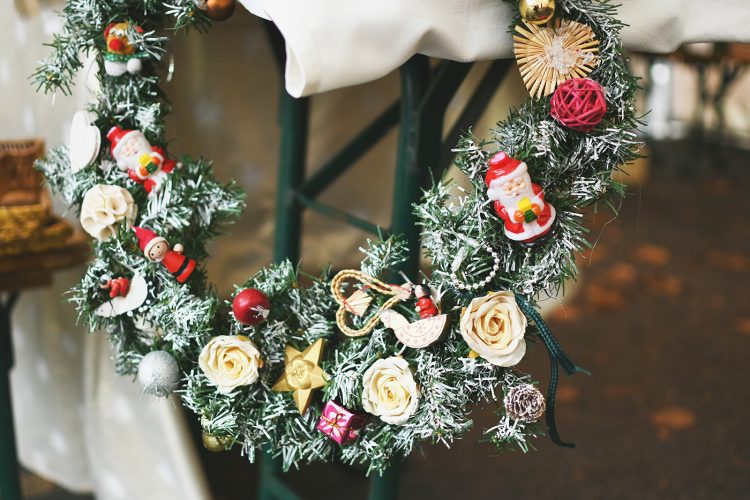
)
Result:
{"points": [[536, 11], [216, 443], [220, 10]]}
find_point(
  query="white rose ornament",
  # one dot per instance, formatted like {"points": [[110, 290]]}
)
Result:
{"points": [[494, 327], [230, 361], [390, 391]]}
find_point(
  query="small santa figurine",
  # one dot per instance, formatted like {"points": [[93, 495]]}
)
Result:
{"points": [[518, 201], [120, 56], [145, 164], [425, 306], [156, 249]]}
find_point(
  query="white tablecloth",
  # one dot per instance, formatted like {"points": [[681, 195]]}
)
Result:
{"points": [[337, 43]]}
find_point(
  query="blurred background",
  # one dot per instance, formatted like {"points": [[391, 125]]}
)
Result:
{"points": [[660, 314]]}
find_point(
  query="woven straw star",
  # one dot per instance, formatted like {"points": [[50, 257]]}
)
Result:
{"points": [[550, 55]]}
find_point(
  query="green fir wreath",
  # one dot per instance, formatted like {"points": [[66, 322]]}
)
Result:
{"points": [[250, 373]]}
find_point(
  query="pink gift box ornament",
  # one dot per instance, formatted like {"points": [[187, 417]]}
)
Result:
{"points": [[340, 424]]}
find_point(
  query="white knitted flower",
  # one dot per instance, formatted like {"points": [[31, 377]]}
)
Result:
{"points": [[104, 207]]}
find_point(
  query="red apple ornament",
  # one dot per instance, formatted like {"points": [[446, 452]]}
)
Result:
{"points": [[251, 306]]}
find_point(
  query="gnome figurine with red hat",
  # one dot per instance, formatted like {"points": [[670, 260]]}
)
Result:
{"points": [[156, 249], [518, 201], [145, 164]]}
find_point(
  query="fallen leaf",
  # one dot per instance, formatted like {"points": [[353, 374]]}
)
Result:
{"points": [[569, 313], [653, 254], [604, 298], [620, 391], [596, 254], [671, 419], [663, 284], [728, 260], [690, 214], [717, 302], [718, 187], [743, 326], [578, 474], [567, 394], [621, 273]]}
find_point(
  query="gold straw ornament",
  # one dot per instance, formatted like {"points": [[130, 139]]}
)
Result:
{"points": [[550, 55], [357, 303]]}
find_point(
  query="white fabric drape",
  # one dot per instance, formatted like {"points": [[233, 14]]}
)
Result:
{"points": [[83, 426], [337, 43]]}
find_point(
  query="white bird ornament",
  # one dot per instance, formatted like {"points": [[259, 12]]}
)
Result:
{"points": [[418, 334]]}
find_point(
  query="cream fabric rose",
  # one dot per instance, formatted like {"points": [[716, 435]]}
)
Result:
{"points": [[390, 391], [494, 327], [103, 207], [230, 361]]}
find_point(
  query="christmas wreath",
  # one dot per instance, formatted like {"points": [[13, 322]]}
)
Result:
{"points": [[360, 365]]}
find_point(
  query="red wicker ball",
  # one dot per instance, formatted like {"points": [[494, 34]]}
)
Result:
{"points": [[579, 104]]}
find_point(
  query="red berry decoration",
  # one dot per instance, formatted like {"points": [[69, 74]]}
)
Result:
{"points": [[250, 306], [579, 104]]}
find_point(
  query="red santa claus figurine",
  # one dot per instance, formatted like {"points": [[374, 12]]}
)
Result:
{"points": [[518, 201], [156, 248], [145, 164]]}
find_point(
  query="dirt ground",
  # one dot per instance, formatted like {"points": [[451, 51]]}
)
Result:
{"points": [[661, 317]]}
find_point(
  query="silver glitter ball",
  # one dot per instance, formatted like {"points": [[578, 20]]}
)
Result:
{"points": [[159, 373]]}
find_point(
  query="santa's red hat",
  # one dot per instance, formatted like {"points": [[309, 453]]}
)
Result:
{"points": [[502, 166], [147, 238], [115, 135]]}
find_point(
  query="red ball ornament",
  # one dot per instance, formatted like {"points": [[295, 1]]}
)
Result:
{"points": [[250, 306], [579, 104]]}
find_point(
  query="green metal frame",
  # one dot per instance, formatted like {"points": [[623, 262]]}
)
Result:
{"points": [[10, 486], [423, 153]]}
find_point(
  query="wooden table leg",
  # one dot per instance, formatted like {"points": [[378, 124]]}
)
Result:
{"points": [[10, 488]]}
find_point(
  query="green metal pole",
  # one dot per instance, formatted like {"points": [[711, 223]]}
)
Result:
{"points": [[415, 78], [271, 486], [10, 487], [293, 118], [413, 150], [385, 487]]}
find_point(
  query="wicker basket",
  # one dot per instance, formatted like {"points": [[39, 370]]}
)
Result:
{"points": [[53, 234], [24, 203]]}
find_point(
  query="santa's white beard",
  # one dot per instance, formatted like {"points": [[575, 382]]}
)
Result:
{"points": [[497, 194], [129, 163], [512, 201]]}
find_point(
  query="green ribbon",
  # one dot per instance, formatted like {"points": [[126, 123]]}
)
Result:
{"points": [[556, 355], [109, 56]]}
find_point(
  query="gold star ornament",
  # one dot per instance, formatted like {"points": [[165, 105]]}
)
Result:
{"points": [[302, 374]]}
